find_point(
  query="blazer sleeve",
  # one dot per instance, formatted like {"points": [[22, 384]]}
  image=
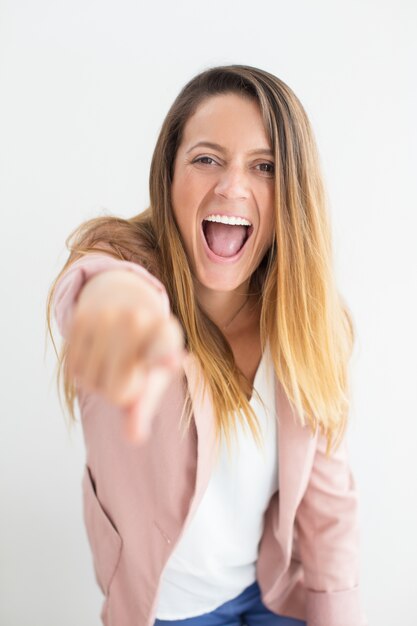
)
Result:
{"points": [[72, 281], [328, 540]]}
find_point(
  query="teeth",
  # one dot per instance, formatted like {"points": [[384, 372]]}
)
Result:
{"points": [[224, 219]]}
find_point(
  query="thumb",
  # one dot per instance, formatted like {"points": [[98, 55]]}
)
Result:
{"points": [[140, 414]]}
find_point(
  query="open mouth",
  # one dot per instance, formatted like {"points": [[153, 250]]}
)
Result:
{"points": [[226, 236]]}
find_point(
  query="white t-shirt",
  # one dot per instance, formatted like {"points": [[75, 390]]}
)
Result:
{"points": [[215, 559]]}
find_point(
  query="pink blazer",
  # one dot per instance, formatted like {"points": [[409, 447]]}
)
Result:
{"points": [[138, 499]]}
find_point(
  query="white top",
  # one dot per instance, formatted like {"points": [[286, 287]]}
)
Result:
{"points": [[215, 559]]}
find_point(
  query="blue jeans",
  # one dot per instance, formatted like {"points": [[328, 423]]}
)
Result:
{"points": [[246, 609]]}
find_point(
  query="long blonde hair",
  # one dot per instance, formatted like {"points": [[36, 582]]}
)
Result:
{"points": [[303, 317]]}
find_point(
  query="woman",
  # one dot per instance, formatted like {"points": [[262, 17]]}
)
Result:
{"points": [[209, 332]]}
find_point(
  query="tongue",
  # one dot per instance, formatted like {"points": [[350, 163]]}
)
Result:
{"points": [[224, 239]]}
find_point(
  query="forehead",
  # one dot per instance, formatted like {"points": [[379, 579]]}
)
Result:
{"points": [[230, 120]]}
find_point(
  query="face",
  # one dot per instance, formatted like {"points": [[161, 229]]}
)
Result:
{"points": [[224, 169]]}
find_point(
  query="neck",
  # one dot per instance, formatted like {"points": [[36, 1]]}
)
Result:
{"points": [[227, 309]]}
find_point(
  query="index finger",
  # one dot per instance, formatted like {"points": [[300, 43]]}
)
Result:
{"points": [[139, 416]]}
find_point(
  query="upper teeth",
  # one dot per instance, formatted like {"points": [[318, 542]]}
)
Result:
{"points": [[224, 219]]}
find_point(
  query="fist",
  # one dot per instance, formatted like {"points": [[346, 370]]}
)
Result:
{"points": [[122, 345]]}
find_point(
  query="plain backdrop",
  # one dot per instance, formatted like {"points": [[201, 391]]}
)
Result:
{"points": [[84, 88]]}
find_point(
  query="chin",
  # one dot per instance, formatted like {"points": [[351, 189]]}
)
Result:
{"points": [[219, 281]]}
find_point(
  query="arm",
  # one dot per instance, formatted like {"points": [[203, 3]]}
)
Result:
{"points": [[328, 538], [123, 341]]}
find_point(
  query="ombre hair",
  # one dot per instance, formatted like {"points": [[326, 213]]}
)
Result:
{"points": [[304, 319]]}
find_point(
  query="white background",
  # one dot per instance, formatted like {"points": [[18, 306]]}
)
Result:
{"points": [[84, 87]]}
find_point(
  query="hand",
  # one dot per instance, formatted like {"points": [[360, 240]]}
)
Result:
{"points": [[122, 345]]}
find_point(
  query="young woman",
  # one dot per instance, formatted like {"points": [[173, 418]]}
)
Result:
{"points": [[207, 346]]}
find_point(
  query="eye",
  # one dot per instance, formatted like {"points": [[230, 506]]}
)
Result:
{"points": [[267, 168], [204, 160]]}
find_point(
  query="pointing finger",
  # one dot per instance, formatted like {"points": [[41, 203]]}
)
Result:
{"points": [[139, 416]]}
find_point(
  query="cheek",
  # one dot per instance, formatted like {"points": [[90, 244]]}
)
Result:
{"points": [[179, 201], [185, 181], [184, 208], [268, 217], [268, 203], [188, 195], [184, 197]]}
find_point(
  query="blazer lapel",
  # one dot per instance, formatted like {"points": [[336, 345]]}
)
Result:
{"points": [[296, 447], [205, 426]]}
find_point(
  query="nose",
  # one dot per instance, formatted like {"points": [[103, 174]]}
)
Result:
{"points": [[232, 183]]}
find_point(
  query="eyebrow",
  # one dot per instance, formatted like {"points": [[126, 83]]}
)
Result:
{"points": [[217, 146]]}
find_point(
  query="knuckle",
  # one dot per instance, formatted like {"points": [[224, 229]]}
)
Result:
{"points": [[143, 319]]}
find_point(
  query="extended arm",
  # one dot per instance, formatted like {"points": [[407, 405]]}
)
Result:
{"points": [[123, 341]]}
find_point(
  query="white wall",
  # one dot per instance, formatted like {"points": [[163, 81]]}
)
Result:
{"points": [[84, 87]]}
